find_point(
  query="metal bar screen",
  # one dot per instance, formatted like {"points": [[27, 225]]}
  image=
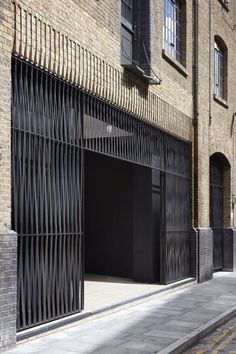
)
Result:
{"points": [[47, 196], [53, 122], [217, 211], [110, 131]]}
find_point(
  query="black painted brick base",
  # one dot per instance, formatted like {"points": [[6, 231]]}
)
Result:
{"points": [[8, 276], [229, 249]]}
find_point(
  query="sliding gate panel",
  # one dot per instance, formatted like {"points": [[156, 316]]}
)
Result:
{"points": [[177, 210], [177, 228], [217, 211], [47, 196]]}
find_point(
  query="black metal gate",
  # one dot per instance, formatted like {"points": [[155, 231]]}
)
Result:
{"points": [[47, 196], [217, 211], [53, 122]]}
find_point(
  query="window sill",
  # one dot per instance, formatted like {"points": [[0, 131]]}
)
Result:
{"points": [[221, 101], [175, 63]]}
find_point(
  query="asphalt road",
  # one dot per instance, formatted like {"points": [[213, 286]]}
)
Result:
{"points": [[222, 340]]}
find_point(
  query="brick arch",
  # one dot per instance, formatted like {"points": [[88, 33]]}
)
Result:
{"points": [[219, 148], [220, 159], [220, 205], [221, 42], [218, 144]]}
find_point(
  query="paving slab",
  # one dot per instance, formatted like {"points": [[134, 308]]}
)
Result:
{"points": [[163, 323]]}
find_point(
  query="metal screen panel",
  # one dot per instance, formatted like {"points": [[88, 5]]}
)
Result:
{"points": [[113, 132], [110, 131], [53, 123], [47, 196], [177, 209], [177, 223], [217, 211]]}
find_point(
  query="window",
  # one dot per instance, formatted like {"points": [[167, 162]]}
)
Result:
{"points": [[136, 38], [172, 28], [220, 69], [127, 33], [126, 12]]}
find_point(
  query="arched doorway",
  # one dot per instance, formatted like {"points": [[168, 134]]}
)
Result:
{"points": [[219, 190]]}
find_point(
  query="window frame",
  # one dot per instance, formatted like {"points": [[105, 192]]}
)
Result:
{"points": [[173, 31], [126, 22], [220, 69]]}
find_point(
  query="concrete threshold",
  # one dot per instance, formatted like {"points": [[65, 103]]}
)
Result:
{"points": [[57, 324]]}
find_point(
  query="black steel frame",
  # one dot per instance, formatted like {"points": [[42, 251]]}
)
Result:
{"points": [[53, 123], [217, 211]]}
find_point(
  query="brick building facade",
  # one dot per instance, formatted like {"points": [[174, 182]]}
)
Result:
{"points": [[79, 42]]}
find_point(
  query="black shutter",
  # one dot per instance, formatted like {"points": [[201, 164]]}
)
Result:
{"points": [[136, 36], [137, 33], [145, 36], [127, 33], [126, 46]]}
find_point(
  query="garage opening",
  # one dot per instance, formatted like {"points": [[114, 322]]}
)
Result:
{"points": [[122, 221], [108, 216]]}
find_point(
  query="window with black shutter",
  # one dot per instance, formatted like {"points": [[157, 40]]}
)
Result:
{"points": [[127, 32], [136, 38]]}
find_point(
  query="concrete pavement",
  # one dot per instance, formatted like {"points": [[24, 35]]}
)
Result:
{"points": [[163, 323]]}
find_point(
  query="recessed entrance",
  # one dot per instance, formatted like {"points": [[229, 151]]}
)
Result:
{"points": [[219, 205], [103, 291], [118, 195]]}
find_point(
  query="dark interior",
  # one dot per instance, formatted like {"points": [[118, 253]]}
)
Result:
{"points": [[108, 216], [121, 232]]}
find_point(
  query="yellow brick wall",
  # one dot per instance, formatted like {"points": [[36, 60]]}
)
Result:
{"points": [[79, 40], [92, 50], [216, 133], [222, 130], [6, 42]]}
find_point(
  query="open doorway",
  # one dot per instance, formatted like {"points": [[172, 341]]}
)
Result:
{"points": [[108, 216], [122, 225]]}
